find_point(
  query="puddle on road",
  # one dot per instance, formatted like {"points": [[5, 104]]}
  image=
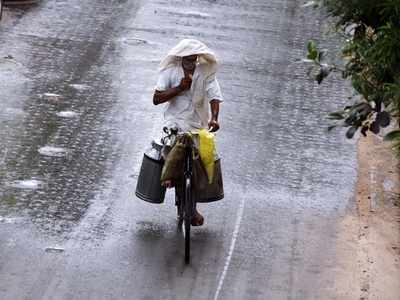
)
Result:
{"points": [[8, 220], [67, 114], [190, 14], [8, 62], [54, 250], [80, 87], [51, 96], [9, 113], [30, 184], [135, 41], [53, 151]]}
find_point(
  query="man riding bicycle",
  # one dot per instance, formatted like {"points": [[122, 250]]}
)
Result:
{"points": [[187, 83]]}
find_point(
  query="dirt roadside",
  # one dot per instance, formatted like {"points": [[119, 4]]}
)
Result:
{"points": [[369, 239]]}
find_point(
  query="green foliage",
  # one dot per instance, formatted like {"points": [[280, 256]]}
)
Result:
{"points": [[312, 50], [395, 134], [320, 69], [371, 61]]}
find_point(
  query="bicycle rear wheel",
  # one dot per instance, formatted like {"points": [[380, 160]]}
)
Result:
{"points": [[188, 207]]}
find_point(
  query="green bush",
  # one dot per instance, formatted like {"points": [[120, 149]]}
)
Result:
{"points": [[370, 60]]}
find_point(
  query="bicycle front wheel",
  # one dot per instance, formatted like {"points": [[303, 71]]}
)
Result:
{"points": [[1, 8], [187, 217]]}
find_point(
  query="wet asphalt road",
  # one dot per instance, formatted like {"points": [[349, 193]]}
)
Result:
{"points": [[76, 80]]}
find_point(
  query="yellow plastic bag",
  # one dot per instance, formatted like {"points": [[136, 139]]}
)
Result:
{"points": [[207, 151]]}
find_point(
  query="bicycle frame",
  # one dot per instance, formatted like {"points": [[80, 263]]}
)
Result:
{"points": [[184, 194]]}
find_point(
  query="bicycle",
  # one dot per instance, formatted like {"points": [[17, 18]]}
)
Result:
{"points": [[183, 191]]}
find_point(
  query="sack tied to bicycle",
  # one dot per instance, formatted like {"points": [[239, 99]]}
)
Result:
{"points": [[188, 87]]}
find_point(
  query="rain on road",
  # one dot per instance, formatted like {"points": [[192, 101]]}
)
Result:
{"points": [[76, 115]]}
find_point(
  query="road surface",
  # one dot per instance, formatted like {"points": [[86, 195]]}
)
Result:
{"points": [[76, 83]]}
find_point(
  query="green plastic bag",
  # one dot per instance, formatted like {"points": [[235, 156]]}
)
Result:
{"points": [[175, 160]]}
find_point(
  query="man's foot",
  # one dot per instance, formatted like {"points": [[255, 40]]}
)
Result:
{"points": [[167, 183], [197, 219]]}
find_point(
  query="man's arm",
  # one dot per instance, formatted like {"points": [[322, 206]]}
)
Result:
{"points": [[164, 96], [213, 123]]}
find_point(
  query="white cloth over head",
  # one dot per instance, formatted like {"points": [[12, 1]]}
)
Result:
{"points": [[190, 109], [188, 47]]}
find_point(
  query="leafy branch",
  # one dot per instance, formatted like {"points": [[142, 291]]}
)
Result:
{"points": [[371, 61]]}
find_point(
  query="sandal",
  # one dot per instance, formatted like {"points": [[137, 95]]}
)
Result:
{"points": [[197, 219]]}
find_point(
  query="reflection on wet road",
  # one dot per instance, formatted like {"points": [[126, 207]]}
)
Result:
{"points": [[76, 115]]}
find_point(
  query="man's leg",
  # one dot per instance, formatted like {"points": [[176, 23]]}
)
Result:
{"points": [[198, 219]]}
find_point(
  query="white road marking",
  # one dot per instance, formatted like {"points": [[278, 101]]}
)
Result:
{"points": [[235, 234]]}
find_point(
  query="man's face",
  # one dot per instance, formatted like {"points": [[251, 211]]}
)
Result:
{"points": [[189, 62]]}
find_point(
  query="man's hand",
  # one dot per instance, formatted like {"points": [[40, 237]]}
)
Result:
{"points": [[185, 83], [213, 125], [164, 96]]}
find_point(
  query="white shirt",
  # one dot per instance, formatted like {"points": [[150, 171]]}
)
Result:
{"points": [[190, 109]]}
